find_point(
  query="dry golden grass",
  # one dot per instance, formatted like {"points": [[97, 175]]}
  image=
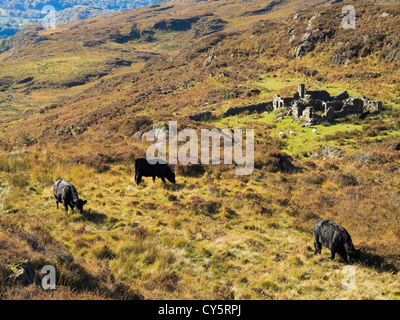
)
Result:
{"points": [[209, 237], [213, 235]]}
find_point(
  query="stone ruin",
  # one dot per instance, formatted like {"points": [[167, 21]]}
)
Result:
{"points": [[312, 107]]}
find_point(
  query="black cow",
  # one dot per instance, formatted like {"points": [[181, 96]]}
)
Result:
{"points": [[160, 169], [66, 193], [335, 238]]}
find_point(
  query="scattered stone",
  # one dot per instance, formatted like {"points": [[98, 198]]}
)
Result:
{"points": [[340, 59], [328, 152], [208, 60], [364, 158], [292, 38], [302, 49]]}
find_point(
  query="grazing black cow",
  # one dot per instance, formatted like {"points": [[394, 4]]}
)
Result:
{"points": [[66, 193], [160, 169], [335, 238]]}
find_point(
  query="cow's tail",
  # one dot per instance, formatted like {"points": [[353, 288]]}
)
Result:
{"points": [[136, 169]]}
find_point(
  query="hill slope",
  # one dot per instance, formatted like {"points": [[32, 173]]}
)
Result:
{"points": [[16, 14], [73, 97]]}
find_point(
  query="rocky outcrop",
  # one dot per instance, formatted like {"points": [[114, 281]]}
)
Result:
{"points": [[393, 50], [302, 49], [205, 115], [159, 131], [310, 38]]}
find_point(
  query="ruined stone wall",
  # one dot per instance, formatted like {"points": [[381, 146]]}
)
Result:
{"points": [[371, 105], [297, 109], [336, 105], [279, 102], [315, 103], [201, 116], [308, 114], [259, 107], [342, 96], [352, 106], [319, 95]]}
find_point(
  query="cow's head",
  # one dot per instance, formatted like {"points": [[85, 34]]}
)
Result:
{"points": [[79, 205], [353, 256], [170, 176]]}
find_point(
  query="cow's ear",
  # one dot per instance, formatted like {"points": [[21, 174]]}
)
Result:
{"points": [[84, 201]]}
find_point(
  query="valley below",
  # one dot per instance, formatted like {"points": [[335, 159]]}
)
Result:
{"points": [[77, 101]]}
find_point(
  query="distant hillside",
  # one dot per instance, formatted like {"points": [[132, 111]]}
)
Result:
{"points": [[178, 59], [16, 14], [76, 102]]}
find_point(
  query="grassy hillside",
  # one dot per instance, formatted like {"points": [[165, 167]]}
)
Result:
{"points": [[72, 98]]}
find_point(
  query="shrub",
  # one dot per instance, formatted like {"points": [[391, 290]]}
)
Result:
{"points": [[272, 160], [131, 126], [104, 253], [190, 170], [139, 232], [224, 292], [315, 178], [346, 180], [202, 206], [168, 281], [229, 213], [19, 180]]}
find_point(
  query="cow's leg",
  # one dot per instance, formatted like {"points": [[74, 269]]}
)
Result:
{"points": [[318, 247], [72, 207], [65, 206], [139, 179], [57, 202], [347, 259], [333, 254], [163, 180], [154, 179]]}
